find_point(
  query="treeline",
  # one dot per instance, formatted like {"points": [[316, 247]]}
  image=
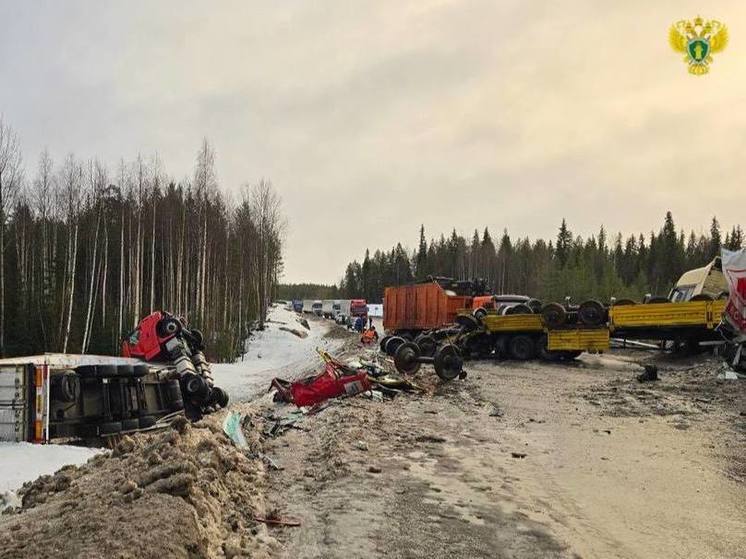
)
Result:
{"points": [[290, 291], [88, 251], [547, 269]]}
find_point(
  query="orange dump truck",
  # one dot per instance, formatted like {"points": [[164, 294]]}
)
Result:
{"points": [[411, 309]]}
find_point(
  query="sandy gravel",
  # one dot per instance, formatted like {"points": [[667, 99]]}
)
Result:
{"points": [[519, 460], [525, 460]]}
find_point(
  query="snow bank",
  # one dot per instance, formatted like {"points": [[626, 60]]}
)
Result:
{"points": [[274, 353], [21, 462]]}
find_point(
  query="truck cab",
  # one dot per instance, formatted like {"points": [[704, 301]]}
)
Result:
{"points": [[358, 307], [705, 282], [316, 307]]}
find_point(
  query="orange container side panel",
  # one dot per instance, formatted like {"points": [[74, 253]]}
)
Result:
{"points": [[420, 307]]}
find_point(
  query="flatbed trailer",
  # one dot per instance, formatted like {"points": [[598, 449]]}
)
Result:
{"points": [[686, 321], [691, 321]]}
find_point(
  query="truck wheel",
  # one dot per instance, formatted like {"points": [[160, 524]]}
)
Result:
{"points": [[501, 347], [175, 398], [146, 422], [393, 344], [198, 339], [219, 396], [553, 315], [535, 305], [522, 347], [125, 371], [426, 344], [520, 308], [448, 362], [467, 322], [383, 342], [591, 313], [702, 297], [480, 313], [168, 327], [130, 424], [109, 428], [66, 387], [406, 359], [195, 387], [87, 371]]}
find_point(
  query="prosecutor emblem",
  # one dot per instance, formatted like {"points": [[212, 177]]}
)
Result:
{"points": [[698, 40]]}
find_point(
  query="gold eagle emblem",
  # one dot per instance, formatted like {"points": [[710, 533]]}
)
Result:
{"points": [[698, 40]]}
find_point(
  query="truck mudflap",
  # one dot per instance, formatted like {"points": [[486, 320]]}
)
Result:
{"points": [[592, 340]]}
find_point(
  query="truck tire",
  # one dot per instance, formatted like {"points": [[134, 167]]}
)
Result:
{"points": [[553, 315], [130, 424], [448, 362], [168, 327], [467, 322], [107, 371], [591, 313], [393, 344], [195, 388], [219, 397], [535, 305], [480, 313], [109, 428], [66, 387], [383, 342], [522, 347], [702, 297], [175, 398], [406, 359], [125, 371], [427, 345], [520, 308]]}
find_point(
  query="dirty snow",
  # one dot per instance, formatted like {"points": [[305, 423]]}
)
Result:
{"points": [[274, 353], [21, 462]]}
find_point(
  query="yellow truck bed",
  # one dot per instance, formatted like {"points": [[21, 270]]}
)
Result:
{"points": [[593, 340], [513, 323], [667, 315]]}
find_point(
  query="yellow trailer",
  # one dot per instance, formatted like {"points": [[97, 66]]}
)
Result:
{"points": [[703, 314]]}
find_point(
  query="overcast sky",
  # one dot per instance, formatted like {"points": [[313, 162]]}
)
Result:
{"points": [[371, 118]]}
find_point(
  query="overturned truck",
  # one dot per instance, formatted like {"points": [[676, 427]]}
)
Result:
{"points": [[163, 374]]}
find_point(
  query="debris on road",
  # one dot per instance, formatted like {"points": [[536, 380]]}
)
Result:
{"points": [[300, 333], [335, 380], [650, 374]]}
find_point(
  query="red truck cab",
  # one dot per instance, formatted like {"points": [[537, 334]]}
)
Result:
{"points": [[358, 307]]}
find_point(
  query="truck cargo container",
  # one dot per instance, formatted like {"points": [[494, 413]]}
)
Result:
{"points": [[51, 396], [330, 308], [411, 309]]}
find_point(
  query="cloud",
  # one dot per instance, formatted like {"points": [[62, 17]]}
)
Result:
{"points": [[373, 118]]}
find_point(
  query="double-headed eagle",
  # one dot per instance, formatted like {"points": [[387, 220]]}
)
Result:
{"points": [[698, 39]]}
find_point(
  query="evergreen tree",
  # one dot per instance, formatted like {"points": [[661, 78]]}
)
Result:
{"points": [[715, 242], [564, 240]]}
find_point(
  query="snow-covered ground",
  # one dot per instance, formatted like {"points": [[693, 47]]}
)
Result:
{"points": [[274, 353], [21, 462], [270, 353]]}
